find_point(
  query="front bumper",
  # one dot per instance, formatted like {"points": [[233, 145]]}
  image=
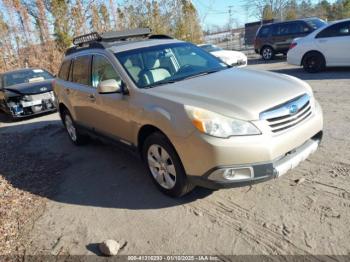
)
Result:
{"points": [[262, 172], [293, 58], [202, 154], [38, 104]]}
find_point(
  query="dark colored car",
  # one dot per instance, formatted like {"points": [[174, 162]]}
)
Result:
{"points": [[276, 38], [26, 92]]}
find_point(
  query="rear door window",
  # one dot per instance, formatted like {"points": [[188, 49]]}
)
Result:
{"points": [[82, 70], [64, 71], [281, 29], [296, 28], [340, 29]]}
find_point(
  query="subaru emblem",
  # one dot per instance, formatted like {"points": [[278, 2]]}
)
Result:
{"points": [[293, 109], [43, 89]]}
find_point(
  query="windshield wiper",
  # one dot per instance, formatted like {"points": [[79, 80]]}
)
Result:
{"points": [[184, 78], [160, 83], [201, 74]]}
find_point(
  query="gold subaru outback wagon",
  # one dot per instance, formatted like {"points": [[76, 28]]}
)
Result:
{"points": [[195, 120]]}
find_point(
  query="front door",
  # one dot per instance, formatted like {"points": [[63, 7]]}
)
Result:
{"points": [[334, 43], [111, 116]]}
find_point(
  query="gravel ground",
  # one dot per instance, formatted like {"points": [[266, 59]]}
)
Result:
{"points": [[60, 199]]}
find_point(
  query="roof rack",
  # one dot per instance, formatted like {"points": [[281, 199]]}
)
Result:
{"points": [[111, 36], [105, 40]]}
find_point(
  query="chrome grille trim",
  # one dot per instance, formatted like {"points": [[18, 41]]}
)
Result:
{"points": [[288, 114]]}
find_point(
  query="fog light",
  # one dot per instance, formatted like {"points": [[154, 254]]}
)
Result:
{"points": [[232, 174], [229, 174]]}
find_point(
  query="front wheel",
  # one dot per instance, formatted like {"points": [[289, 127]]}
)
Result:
{"points": [[73, 133], [314, 62], [165, 166]]}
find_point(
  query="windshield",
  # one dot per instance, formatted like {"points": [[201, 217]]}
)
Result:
{"points": [[316, 23], [26, 76], [210, 48], [168, 63]]}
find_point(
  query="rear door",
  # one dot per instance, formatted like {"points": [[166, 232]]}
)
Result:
{"points": [[80, 91], [281, 37], [283, 34], [334, 43]]}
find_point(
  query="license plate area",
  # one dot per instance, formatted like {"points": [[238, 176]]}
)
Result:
{"points": [[293, 160]]}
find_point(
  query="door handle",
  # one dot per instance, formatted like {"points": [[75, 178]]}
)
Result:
{"points": [[92, 98], [322, 41]]}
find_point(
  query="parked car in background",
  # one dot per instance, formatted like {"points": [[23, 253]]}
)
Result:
{"points": [[275, 38], [195, 120], [26, 92], [233, 58], [326, 47]]}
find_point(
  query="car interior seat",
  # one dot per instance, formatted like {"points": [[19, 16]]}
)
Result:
{"points": [[153, 71]]}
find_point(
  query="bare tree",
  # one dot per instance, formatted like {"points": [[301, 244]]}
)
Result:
{"points": [[257, 8]]}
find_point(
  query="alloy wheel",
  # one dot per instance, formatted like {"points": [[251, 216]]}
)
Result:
{"points": [[70, 128], [267, 53], [162, 166]]}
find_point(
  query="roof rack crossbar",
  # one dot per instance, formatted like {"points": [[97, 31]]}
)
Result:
{"points": [[111, 36], [88, 38], [120, 35]]}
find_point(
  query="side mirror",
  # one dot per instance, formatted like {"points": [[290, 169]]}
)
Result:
{"points": [[109, 86]]}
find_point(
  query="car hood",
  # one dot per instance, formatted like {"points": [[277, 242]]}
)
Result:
{"points": [[234, 55], [31, 88], [238, 93]]}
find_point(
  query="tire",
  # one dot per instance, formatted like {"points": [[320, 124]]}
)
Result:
{"points": [[165, 166], [267, 53], [314, 62], [73, 133]]}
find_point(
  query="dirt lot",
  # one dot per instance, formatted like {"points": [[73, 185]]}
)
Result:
{"points": [[74, 197]]}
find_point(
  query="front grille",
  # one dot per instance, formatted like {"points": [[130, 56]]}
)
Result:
{"points": [[288, 114], [42, 96]]}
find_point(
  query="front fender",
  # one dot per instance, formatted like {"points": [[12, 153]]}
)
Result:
{"points": [[174, 123]]}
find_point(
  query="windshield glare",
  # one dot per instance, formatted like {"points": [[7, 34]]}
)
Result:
{"points": [[26, 76], [155, 65]]}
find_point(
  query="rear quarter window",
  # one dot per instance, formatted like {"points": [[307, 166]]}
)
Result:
{"points": [[82, 70], [64, 71]]}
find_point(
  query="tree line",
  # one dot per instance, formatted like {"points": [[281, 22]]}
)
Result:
{"points": [[35, 33], [293, 9]]}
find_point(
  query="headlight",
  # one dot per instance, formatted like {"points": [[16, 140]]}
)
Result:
{"points": [[218, 125], [312, 102], [27, 98]]}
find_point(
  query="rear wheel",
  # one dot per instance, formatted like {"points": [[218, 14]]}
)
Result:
{"points": [[75, 136], [267, 53], [314, 62], [165, 166]]}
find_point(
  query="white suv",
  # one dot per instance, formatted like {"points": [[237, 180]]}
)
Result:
{"points": [[326, 47]]}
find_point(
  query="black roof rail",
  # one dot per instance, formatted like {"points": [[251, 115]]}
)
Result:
{"points": [[82, 47], [159, 37]]}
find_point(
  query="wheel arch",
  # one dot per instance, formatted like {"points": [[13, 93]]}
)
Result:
{"points": [[266, 45], [313, 51], [144, 132]]}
